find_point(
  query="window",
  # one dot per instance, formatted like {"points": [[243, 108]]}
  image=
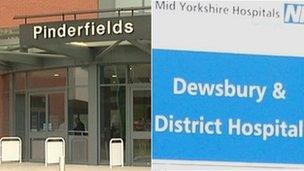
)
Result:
{"points": [[112, 117], [38, 113], [78, 101], [4, 82], [78, 109], [47, 112], [142, 110], [20, 81], [140, 73], [4, 114], [47, 78], [113, 74], [4, 105], [115, 82], [78, 76], [56, 112]]}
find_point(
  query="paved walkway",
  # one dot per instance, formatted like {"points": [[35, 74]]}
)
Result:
{"points": [[40, 167]]}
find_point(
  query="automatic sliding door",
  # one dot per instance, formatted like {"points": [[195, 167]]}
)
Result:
{"points": [[38, 125], [141, 132], [38, 113], [113, 118], [56, 110], [20, 126], [47, 118]]}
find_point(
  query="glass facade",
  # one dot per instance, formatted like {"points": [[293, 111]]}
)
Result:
{"points": [[4, 114], [78, 109], [113, 74], [142, 152], [38, 113], [116, 85], [5, 82], [142, 110], [47, 112], [78, 76], [141, 133], [87, 102], [5, 105], [112, 117], [78, 101], [140, 73], [20, 81], [56, 114], [113, 79], [58, 101], [47, 78]]}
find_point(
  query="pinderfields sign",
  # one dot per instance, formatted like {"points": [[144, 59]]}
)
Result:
{"points": [[106, 29]]}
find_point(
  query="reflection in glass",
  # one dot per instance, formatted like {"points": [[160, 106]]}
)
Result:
{"points": [[142, 110], [37, 113], [47, 78], [142, 152], [140, 73], [20, 81], [4, 114], [113, 74], [4, 82], [112, 118], [38, 116], [56, 112], [20, 128], [78, 109], [78, 76], [20, 112]]}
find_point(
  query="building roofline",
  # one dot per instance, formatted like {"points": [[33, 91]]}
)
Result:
{"points": [[75, 13]]}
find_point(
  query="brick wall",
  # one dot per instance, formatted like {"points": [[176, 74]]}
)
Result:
{"points": [[11, 8]]}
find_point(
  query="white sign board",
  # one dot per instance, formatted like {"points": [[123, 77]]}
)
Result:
{"points": [[54, 149], [11, 149]]}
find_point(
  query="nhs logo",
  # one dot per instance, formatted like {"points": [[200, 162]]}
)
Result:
{"points": [[294, 13]]}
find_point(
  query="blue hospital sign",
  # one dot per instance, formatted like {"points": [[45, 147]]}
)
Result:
{"points": [[228, 107], [226, 93]]}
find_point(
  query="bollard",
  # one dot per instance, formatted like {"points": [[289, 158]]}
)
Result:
{"points": [[62, 163]]}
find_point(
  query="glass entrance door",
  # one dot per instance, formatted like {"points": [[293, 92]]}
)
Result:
{"points": [[141, 126], [47, 118], [38, 113]]}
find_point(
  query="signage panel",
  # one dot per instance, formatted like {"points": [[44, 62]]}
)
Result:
{"points": [[103, 29], [227, 84]]}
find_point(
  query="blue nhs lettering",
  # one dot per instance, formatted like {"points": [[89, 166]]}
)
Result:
{"points": [[294, 13]]}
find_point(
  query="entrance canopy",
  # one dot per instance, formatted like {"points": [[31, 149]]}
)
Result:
{"points": [[72, 42]]}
